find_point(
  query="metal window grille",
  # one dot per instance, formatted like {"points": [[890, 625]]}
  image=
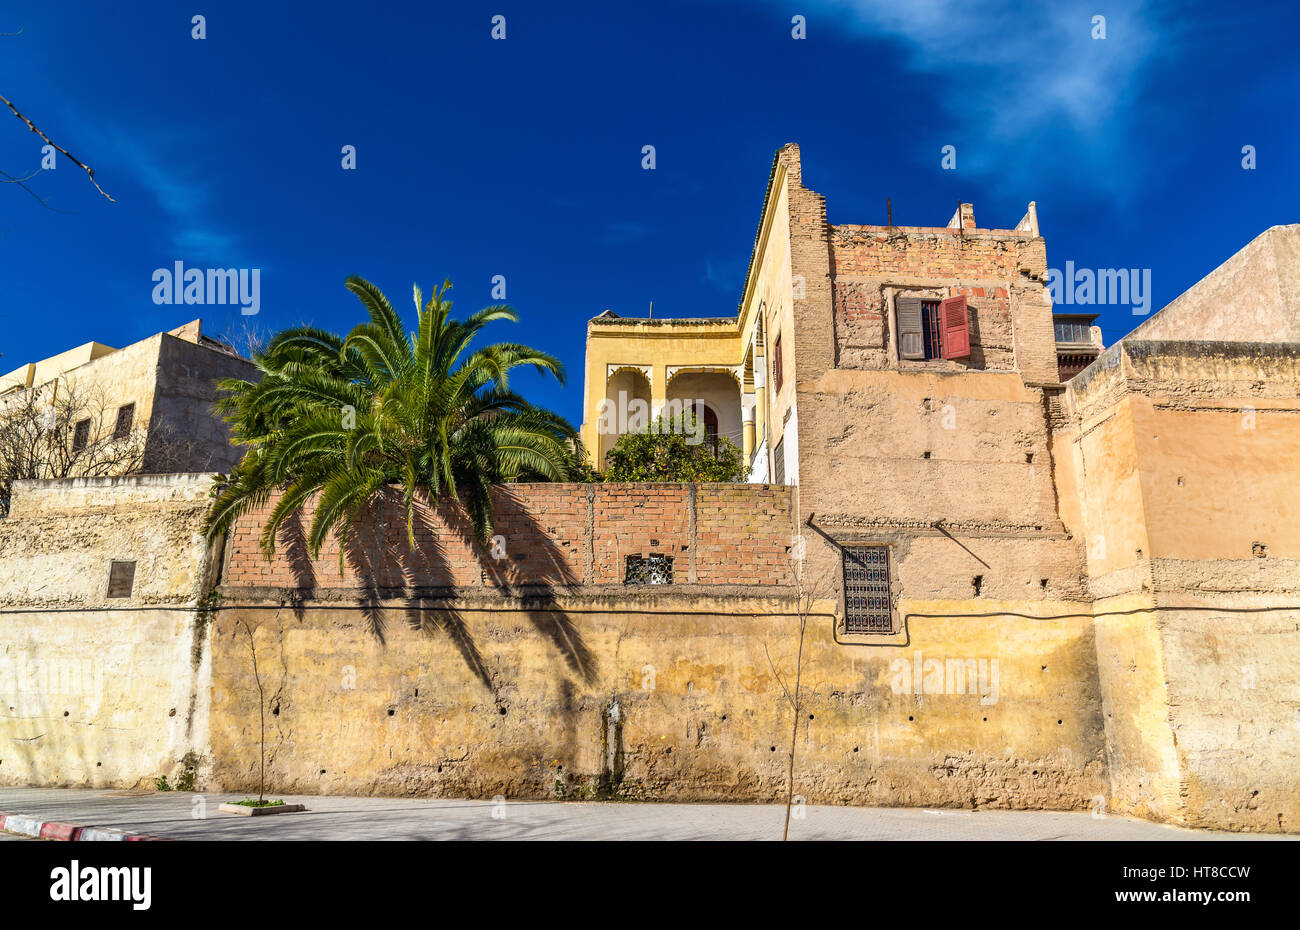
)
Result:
{"points": [[930, 327], [125, 418], [649, 569], [867, 604], [80, 435], [121, 579]]}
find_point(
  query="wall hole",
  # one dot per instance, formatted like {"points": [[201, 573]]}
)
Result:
{"points": [[977, 583]]}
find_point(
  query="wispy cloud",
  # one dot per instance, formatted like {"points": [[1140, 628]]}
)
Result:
{"points": [[723, 275], [183, 194], [1015, 73]]}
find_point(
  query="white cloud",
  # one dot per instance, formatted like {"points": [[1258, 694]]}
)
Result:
{"points": [[1012, 72], [182, 194]]}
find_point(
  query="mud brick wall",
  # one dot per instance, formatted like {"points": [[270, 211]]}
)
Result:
{"points": [[871, 265], [544, 534]]}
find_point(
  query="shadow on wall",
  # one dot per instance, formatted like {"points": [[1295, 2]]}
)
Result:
{"points": [[386, 566]]}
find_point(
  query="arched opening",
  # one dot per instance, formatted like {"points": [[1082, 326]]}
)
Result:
{"points": [[626, 406], [715, 398]]}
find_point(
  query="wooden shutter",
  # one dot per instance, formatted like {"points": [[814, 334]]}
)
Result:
{"points": [[954, 328], [911, 344]]}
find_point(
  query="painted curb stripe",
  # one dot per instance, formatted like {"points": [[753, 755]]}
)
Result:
{"points": [[101, 834], [68, 832], [27, 826], [60, 831]]}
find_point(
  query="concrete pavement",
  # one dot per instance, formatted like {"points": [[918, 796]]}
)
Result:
{"points": [[184, 816]]}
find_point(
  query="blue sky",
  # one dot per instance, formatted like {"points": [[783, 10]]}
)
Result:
{"points": [[522, 157]]}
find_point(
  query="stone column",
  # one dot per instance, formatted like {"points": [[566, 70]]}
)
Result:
{"points": [[747, 419]]}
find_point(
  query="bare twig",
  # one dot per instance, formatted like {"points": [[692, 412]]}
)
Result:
{"points": [[19, 182], [90, 172]]}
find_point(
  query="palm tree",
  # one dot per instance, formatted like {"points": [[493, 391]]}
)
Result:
{"points": [[347, 419]]}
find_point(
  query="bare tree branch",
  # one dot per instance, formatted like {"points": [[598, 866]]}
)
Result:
{"points": [[19, 182], [90, 172]]}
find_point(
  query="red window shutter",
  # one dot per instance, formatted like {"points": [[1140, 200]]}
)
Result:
{"points": [[954, 328]]}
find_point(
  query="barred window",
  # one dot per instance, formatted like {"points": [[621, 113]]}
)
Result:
{"points": [[649, 569], [81, 435], [867, 604], [125, 420]]}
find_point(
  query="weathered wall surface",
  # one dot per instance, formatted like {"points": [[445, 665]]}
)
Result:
{"points": [[489, 693], [551, 535], [489, 700], [99, 691], [1253, 297], [1184, 453], [184, 431]]}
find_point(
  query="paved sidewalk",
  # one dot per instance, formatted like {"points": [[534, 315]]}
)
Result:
{"points": [[183, 816]]}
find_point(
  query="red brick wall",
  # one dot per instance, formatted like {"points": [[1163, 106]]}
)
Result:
{"points": [[550, 534], [872, 251]]}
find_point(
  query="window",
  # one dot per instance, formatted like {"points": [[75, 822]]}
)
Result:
{"points": [[930, 329], [778, 462], [121, 578], [867, 601], [125, 417], [778, 373], [1073, 333], [649, 569], [80, 435]]}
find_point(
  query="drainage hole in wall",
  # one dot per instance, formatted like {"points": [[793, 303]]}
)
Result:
{"points": [[1035, 771], [172, 714], [977, 583], [503, 712], [391, 711], [986, 719], [275, 711], [911, 718], [1058, 723], [774, 749], [322, 771], [1042, 583], [810, 716], [855, 748], [925, 454], [1029, 458], [668, 751]]}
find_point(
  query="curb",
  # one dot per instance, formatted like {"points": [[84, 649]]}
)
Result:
{"points": [[69, 832]]}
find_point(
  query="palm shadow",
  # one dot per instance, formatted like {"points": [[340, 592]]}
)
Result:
{"points": [[532, 563]]}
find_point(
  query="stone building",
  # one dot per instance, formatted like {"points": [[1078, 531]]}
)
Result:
{"points": [[1021, 592], [159, 390]]}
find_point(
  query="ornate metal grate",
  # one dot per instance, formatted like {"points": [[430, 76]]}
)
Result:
{"points": [[867, 604], [649, 569]]}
